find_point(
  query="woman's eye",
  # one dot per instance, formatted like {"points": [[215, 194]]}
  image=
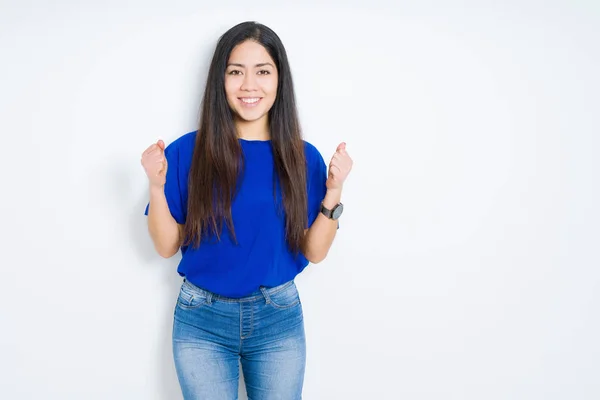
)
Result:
{"points": [[263, 72], [234, 72]]}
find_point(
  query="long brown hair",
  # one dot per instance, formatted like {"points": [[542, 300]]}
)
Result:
{"points": [[218, 159]]}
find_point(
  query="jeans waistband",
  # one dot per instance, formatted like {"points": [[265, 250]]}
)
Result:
{"points": [[263, 293]]}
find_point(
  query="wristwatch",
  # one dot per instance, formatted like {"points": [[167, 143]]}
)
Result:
{"points": [[334, 213]]}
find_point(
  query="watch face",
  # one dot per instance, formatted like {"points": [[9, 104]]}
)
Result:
{"points": [[337, 211]]}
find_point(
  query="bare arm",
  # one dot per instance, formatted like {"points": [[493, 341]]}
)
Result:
{"points": [[164, 230], [319, 238]]}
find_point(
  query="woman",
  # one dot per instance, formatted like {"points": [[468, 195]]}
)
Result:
{"points": [[250, 204]]}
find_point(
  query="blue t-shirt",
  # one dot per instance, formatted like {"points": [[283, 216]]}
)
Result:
{"points": [[261, 256]]}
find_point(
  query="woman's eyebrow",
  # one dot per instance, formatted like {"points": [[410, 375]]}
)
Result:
{"points": [[256, 66]]}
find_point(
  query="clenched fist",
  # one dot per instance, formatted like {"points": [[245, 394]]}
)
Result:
{"points": [[339, 167], [155, 164]]}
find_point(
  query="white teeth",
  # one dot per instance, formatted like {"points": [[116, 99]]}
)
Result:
{"points": [[250, 101]]}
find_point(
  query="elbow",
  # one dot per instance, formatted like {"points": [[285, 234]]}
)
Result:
{"points": [[315, 251], [315, 258], [166, 253], [165, 245]]}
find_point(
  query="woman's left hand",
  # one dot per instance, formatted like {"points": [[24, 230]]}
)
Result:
{"points": [[339, 168]]}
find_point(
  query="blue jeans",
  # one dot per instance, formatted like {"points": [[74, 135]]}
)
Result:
{"points": [[264, 330]]}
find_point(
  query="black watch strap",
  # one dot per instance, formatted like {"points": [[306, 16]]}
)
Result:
{"points": [[334, 213], [326, 212]]}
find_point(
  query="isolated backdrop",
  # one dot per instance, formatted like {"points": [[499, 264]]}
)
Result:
{"points": [[466, 266]]}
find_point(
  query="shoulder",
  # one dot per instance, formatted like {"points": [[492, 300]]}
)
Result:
{"points": [[183, 143], [181, 150], [314, 158], [316, 170]]}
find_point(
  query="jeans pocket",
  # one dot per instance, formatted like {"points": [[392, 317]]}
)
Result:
{"points": [[191, 298], [286, 298]]}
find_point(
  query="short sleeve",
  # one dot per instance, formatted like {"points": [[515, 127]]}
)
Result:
{"points": [[173, 184], [316, 182]]}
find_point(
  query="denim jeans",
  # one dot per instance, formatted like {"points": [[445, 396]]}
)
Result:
{"points": [[265, 331]]}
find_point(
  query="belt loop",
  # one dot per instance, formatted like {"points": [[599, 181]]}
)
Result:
{"points": [[209, 297], [266, 294]]}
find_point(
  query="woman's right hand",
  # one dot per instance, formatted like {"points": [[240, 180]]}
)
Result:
{"points": [[155, 164]]}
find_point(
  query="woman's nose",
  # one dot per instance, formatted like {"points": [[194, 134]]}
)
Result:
{"points": [[249, 82]]}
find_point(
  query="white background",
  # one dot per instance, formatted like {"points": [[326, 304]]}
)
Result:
{"points": [[467, 263]]}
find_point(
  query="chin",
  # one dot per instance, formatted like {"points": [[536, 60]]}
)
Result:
{"points": [[247, 117]]}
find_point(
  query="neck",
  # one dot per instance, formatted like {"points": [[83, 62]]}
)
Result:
{"points": [[254, 130]]}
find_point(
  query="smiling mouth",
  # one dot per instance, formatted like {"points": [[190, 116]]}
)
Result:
{"points": [[250, 101]]}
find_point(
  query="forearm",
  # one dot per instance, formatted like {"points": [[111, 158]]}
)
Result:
{"points": [[164, 230], [319, 237]]}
